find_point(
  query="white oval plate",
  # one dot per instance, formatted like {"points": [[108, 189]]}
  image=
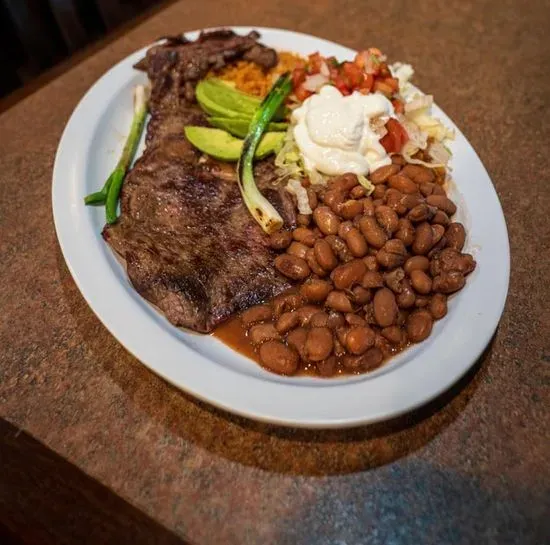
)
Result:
{"points": [[205, 367]]}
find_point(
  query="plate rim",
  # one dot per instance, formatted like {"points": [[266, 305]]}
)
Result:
{"points": [[307, 422]]}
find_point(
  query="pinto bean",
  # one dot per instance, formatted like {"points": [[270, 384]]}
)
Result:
{"points": [[339, 301], [438, 306], [333, 198], [423, 239], [351, 208], [354, 319], [280, 240], [392, 254], [297, 340], [345, 228], [291, 266], [312, 198], [381, 174], [402, 183], [304, 235], [303, 220], [286, 302], [327, 367], [421, 212], [418, 173], [315, 290], [359, 339], [456, 236], [394, 279], [373, 233], [407, 297], [411, 200], [320, 319], [259, 313], [378, 193], [368, 207], [443, 203], [448, 282], [361, 295], [371, 263], [385, 307], [326, 220], [313, 265], [419, 325], [319, 344], [287, 321], [278, 357], [344, 276], [372, 279], [335, 320], [324, 255], [260, 333], [405, 232], [393, 333], [417, 262], [440, 218], [298, 249], [356, 242], [421, 282], [368, 361], [358, 192], [339, 248], [427, 189], [394, 199], [345, 182], [306, 313], [387, 218], [436, 248], [421, 301], [438, 231], [397, 159], [450, 259]]}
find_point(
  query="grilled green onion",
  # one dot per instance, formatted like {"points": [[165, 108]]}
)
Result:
{"points": [[260, 208], [110, 191]]}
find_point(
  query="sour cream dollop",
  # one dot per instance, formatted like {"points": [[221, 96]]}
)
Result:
{"points": [[334, 132]]}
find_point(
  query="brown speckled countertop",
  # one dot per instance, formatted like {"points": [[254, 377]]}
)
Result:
{"points": [[96, 449]]}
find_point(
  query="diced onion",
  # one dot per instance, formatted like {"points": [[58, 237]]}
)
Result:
{"points": [[315, 82], [419, 102]]}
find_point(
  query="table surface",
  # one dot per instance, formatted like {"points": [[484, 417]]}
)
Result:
{"points": [[472, 467]]}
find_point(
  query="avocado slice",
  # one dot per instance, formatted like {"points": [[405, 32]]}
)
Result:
{"points": [[238, 126], [221, 100], [228, 97], [221, 145], [212, 107]]}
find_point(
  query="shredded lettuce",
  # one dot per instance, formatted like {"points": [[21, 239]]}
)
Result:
{"points": [[366, 183], [294, 187]]}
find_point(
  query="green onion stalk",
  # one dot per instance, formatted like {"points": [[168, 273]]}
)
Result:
{"points": [[260, 208], [110, 192]]}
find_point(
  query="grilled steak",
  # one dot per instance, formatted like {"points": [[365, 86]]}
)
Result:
{"points": [[190, 245]]}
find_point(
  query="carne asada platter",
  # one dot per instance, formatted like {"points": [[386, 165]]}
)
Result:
{"points": [[283, 227]]}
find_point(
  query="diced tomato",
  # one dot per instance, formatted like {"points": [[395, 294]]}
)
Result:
{"points": [[396, 137], [301, 93], [315, 61], [366, 84], [398, 106], [383, 87], [352, 74], [341, 84], [393, 83], [383, 70], [298, 77]]}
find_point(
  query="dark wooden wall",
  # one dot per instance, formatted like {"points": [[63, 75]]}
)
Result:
{"points": [[37, 34]]}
